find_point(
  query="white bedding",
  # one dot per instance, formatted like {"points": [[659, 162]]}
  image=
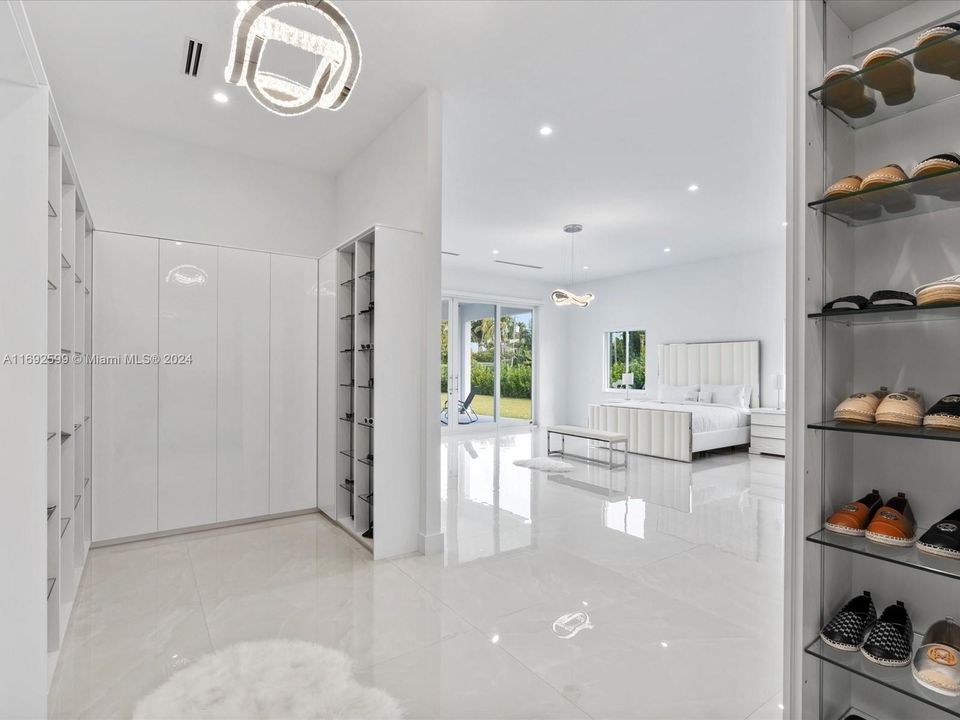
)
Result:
{"points": [[707, 417]]}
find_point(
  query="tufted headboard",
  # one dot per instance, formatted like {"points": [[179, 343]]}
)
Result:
{"points": [[716, 363]]}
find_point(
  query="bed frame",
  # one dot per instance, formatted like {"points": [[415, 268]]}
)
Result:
{"points": [[669, 433]]}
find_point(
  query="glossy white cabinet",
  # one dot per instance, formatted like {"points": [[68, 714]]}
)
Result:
{"points": [[293, 383], [327, 352], [243, 407], [125, 316], [188, 385]]}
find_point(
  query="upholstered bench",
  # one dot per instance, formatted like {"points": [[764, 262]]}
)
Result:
{"points": [[600, 436]]}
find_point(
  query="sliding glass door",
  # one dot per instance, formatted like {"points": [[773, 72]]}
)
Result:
{"points": [[487, 367]]}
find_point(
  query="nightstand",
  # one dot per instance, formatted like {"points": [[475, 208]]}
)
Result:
{"points": [[768, 431]]}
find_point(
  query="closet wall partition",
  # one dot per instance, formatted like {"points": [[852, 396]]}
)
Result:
{"points": [[206, 382]]}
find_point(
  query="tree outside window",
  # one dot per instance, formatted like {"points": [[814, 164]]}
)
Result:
{"points": [[626, 352]]}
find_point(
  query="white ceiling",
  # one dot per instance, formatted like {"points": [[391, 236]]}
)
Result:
{"points": [[645, 98]]}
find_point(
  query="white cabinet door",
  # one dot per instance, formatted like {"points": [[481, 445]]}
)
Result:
{"points": [[327, 384], [187, 466], [293, 383], [125, 394], [243, 397]]}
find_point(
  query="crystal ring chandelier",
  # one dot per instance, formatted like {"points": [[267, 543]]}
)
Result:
{"points": [[336, 72]]}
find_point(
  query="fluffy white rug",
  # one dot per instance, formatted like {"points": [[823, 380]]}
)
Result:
{"points": [[545, 464], [276, 679]]}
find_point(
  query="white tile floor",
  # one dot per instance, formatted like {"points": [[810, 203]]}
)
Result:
{"points": [[678, 568]]}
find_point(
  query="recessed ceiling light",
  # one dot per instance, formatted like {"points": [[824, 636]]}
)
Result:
{"points": [[495, 639], [496, 252], [784, 223], [693, 188], [666, 249], [220, 97], [586, 267], [663, 644], [546, 130]]}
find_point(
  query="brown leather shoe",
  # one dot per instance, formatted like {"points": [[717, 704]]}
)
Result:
{"points": [[893, 524], [853, 518], [901, 408]]}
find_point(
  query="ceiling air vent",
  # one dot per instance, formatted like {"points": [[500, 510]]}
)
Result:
{"points": [[516, 264], [191, 63]]}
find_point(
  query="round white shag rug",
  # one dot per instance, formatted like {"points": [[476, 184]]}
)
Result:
{"points": [[545, 464], [275, 679]]}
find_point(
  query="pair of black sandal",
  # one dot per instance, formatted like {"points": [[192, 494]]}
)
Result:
{"points": [[879, 299]]}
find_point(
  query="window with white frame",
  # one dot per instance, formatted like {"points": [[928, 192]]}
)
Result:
{"points": [[626, 352]]}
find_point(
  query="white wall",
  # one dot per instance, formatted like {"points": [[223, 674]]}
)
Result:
{"points": [[551, 350], [741, 297], [146, 184], [397, 181]]}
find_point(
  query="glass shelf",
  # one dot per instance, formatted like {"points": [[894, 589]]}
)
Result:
{"points": [[51, 286], [366, 425], [50, 211], [346, 454], [85, 483], [51, 509], [50, 583], [64, 436], [369, 349], [910, 557], [891, 314], [917, 433], [76, 500], [346, 317], [368, 463], [367, 275], [76, 426], [348, 488], [930, 89], [347, 350], [365, 387], [51, 436], [77, 280], [64, 263], [898, 679], [344, 419], [368, 311], [366, 498], [853, 209], [346, 385], [346, 283], [64, 524]]}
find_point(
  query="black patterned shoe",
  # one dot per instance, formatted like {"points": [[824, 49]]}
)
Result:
{"points": [[890, 641], [848, 627], [943, 539]]}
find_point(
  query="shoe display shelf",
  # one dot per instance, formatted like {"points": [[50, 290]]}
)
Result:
{"points": [[843, 250], [68, 506]]}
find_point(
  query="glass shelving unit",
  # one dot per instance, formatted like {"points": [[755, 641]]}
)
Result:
{"points": [[907, 198], [930, 89], [891, 314], [899, 679], [909, 557], [913, 433]]}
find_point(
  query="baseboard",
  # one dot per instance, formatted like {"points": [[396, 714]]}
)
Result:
{"points": [[430, 544]]}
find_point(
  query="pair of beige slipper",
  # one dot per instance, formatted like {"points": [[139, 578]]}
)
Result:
{"points": [[940, 292], [850, 89], [883, 408]]}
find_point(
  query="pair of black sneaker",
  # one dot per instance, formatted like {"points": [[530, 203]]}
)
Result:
{"points": [[885, 641]]}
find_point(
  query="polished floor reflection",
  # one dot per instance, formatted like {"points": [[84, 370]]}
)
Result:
{"points": [[653, 591]]}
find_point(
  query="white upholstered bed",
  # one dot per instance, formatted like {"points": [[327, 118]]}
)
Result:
{"points": [[677, 430]]}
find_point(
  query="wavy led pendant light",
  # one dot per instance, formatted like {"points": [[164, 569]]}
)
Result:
{"points": [[337, 69], [563, 297]]}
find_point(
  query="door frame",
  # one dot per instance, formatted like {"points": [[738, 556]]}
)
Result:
{"points": [[454, 299]]}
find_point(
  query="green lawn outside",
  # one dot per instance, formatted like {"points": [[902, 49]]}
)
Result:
{"points": [[516, 408]]}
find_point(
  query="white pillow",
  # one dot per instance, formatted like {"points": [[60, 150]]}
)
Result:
{"points": [[677, 393], [735, 395], [705, 396]]}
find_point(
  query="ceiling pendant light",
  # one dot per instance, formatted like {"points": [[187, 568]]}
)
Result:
{"points": [[562, 297], [337, 69]]}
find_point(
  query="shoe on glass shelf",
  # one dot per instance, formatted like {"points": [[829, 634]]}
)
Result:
{"points": [[853, 518], [939, 176], [848, 627], [860, 407], [939, 50], [940, 292], [890, 640], [854, 206], [890, 75], [901, 408], [945, 413], [896, 199], [935, 666], [943, 539], [893, 524], [847, 93]]}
